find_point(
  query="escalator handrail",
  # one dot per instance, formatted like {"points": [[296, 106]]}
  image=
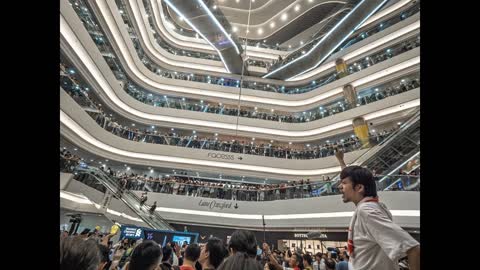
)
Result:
{"points": [[388, 140], [113, 186]]}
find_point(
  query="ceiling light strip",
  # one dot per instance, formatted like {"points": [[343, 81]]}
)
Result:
{"points": [[198, 43], [205, 8], [198, 31], [104, 9], [141, 22]]}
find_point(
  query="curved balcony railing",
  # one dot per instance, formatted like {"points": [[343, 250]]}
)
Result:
{"points": [[98, 36], [69, 77], [225, 189]]}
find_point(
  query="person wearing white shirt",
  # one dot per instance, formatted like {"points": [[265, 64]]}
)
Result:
{"points": [[374, 241]]}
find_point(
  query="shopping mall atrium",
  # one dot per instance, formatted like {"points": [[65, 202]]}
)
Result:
{"points": [[187, 120]]}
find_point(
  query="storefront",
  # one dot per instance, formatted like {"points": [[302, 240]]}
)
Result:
{"points": [[276, 239]]}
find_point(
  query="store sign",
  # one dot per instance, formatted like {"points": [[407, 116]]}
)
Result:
{"points": [[132, 233], [314, 235], [214, 204], [221, 156]]}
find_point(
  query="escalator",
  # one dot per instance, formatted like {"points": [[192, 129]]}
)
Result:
{"points": [[329, 42], [212, 28], [126, 196], [389, 156], [404, 177]]}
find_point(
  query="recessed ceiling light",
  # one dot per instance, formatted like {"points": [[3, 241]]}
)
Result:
{"points": [[272, 24], [289, 142], [297, 7], [214, 6], [301, 42], [289, 46], [284, 17], [260, 31], [75, 149], [234, 29]]}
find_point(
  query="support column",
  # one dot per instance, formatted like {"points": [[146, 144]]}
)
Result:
{"points": [[341, 68], [360, 127], [350, 94]]}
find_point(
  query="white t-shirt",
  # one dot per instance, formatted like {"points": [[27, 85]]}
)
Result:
{"points": [[379, 243]]}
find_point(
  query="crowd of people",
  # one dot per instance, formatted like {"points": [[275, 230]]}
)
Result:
{"points": [[374, 242], [361, 36], [330, 109], [312, 151], [76, 84], [71, 85], [89, 22], [182, 184], [113, 62], [198, 187], [94, 250]]}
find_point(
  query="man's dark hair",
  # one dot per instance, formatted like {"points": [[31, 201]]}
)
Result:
{"points": [[299, 260], [192, 252], [76, 253], [145, 255], [167, 253], [330, 263], [104, 252], [308, 258], [362, 176], [240, 261], [104, 258], [243, 241], [217, 251]]}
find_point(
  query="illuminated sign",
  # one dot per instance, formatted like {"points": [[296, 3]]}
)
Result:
{"points": [[132, 233]]}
